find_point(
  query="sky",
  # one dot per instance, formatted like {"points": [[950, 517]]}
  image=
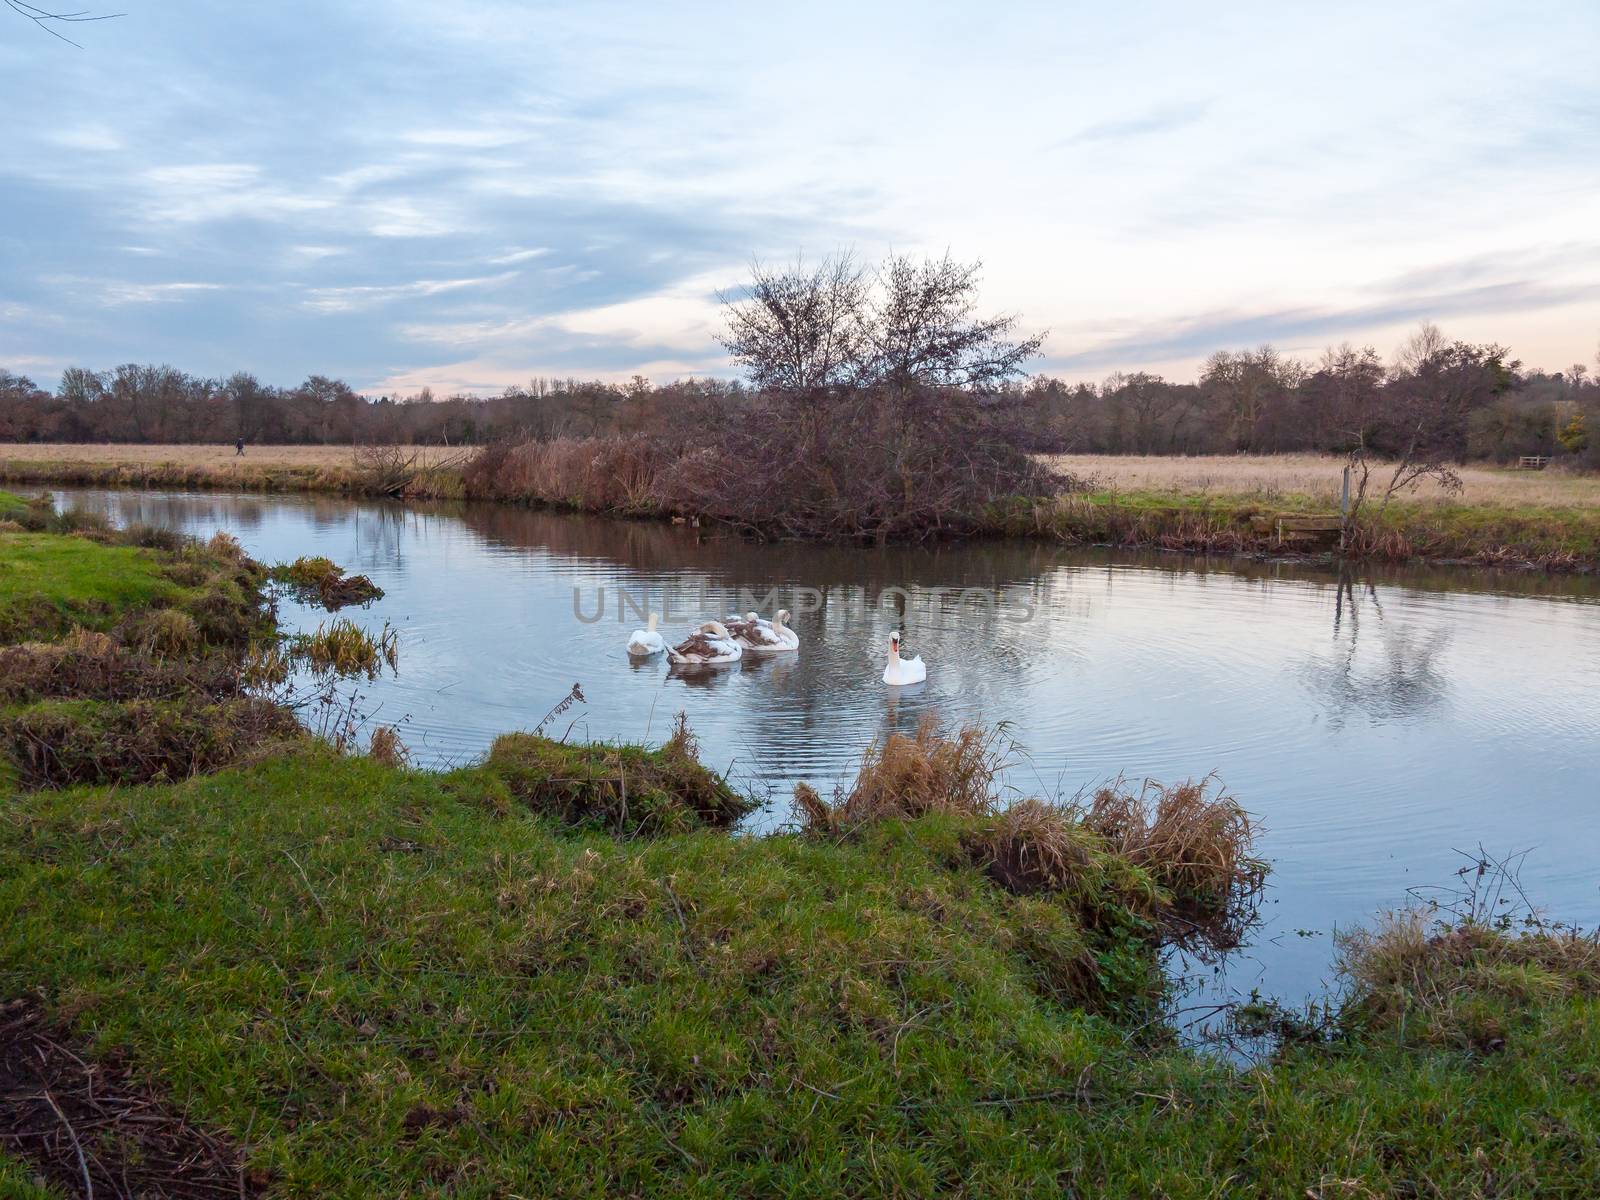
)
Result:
{"points": [[470, 195]]}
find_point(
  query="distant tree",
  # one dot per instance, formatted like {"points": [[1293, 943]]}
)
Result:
{"points": [[1243, 387]]}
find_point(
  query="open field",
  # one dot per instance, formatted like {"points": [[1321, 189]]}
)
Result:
{"points": [[1317, 476]]}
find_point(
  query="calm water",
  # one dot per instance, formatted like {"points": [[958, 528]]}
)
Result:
{"points": [[1374, 727]]}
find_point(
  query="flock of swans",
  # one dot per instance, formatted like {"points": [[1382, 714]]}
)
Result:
{"points": [[718, 642]]}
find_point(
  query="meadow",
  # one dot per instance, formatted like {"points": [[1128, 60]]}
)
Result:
{"points": [[1317, 477]]}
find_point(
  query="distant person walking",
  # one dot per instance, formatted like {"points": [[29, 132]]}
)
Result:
{"points": [[238, 448]]}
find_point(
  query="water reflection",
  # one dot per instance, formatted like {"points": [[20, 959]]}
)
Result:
{"points": [[1371, 721], [1393, 673]]}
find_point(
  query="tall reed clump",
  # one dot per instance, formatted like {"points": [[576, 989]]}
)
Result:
{"points": [[910, 775], [1193, 844], [1175, 855], [600, 474]]}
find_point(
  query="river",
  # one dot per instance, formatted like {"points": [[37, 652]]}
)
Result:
{"points": [[1376, 725]]}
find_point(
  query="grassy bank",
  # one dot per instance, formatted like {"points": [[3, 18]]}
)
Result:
{"points": [[1523, 537], [556, 972], [371, 982]]}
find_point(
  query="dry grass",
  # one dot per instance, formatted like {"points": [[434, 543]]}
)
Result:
{"points": [[387, 748], [1034, 846], [1461, 984], [204, 455], [925, 772], [1316, 476], [1195, 845]]}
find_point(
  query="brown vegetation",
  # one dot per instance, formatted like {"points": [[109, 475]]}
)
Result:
{"points": [[1174, 855], [1194, 845], [91, 1128], [1275, 478], [59, 743]]}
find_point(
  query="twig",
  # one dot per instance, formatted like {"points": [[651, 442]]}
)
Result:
{"points": [[83, 1164], [320, 906]]}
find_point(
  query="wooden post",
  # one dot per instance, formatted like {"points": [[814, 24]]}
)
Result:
{"points": [[1344, 507]]}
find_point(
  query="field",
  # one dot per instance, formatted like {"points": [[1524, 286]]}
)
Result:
{"points": [[1317, 476]]}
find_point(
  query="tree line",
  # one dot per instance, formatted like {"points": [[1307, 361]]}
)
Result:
{"points": [[835, 337]]}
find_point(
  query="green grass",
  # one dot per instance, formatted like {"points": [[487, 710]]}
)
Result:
{"points": [[17, 1182], [49, 583], [1543, 537], [394, 988]]}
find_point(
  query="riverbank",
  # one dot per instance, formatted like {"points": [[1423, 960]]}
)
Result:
{"points": [[1507, 520], [313, 972]]}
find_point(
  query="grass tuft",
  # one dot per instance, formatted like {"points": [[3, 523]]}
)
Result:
{"points": [[626, 790], [1466, 984]]}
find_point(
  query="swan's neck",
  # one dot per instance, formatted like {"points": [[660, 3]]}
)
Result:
{"points": [[650, 623], [894, 656]]}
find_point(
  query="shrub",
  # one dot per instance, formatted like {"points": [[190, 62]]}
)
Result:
{"points": [[610, 474], [920, 463]]}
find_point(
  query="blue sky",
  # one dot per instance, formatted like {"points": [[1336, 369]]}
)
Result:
{"points": [[469, 195]]}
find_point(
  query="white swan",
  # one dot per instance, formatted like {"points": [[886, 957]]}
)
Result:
{"points": [[900, 671], [644, 642], [764, 637], [711, 643]]}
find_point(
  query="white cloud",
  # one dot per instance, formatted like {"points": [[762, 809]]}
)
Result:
{"points": [[153, 293], [517, 256], [351, 299]]}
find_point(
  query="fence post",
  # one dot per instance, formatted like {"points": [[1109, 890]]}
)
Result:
{"points": [[1344, 507]]}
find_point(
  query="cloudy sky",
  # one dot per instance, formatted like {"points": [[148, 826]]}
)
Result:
{"points": [[466, 195]]}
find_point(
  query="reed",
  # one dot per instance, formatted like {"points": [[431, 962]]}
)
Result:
{"points": [[1193, 844]]}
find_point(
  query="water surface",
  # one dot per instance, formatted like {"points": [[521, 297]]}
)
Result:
{"points": [[1374, 724]]}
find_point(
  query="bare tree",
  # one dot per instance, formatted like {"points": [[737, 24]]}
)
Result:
{"points": [[913, 323], [921, 326], [798, 329], [47, 20], [1434, 385]]}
